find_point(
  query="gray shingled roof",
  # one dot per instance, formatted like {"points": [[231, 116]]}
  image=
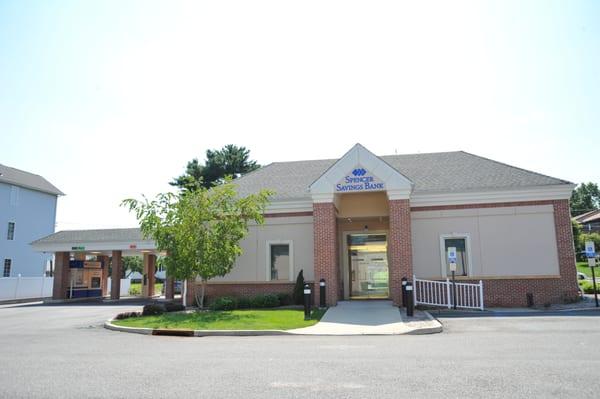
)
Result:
{"points": [[101, 235], [32, 181], [431, 173]]}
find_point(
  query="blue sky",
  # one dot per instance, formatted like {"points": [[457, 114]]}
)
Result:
{"points": [[110, 99]]}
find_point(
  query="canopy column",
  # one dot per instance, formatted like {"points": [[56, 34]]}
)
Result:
{"points": [[148, 278], [117, 266], [61, 275]]}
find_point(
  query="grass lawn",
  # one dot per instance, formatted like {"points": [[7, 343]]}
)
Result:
{"points": [[136, 288], [583, 268], [257, 319]]}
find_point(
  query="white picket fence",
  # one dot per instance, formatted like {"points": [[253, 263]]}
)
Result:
{"points": [[125, 285], [440, 293], [14, 288]]}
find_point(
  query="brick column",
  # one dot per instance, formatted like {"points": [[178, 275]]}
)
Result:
{"points": [[169, 287], [566, 249], [117, 266], [149, 270], [105, 262], [326, 263], [399, 247], [62, 275]]}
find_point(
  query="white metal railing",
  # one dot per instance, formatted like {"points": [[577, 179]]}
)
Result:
{"points": [[440, 293], [12, 288]]}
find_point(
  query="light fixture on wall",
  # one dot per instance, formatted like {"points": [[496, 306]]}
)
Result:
{"points": [[366, 227]]}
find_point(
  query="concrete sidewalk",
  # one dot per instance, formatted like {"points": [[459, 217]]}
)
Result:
{"points": [[370, 318]]}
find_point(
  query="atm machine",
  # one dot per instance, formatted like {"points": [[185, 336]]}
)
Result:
{"points": [[85, 279]]}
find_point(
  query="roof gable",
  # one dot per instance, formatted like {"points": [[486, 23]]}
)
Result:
{"points": [[359, 170]]}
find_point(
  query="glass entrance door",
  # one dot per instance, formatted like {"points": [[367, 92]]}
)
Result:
{"points": [[367, 256]]}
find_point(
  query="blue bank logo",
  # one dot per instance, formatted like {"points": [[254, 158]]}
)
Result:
{"points": [[359, 172]]}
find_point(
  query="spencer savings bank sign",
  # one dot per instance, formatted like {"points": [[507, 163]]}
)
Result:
{"points": [[359, 180]]}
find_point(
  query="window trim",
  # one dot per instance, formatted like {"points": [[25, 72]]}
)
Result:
{"points": [[467, 238], [8, 230], [268, 243], [9, 267]]}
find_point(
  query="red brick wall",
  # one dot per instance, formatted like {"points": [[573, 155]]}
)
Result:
{"points": [[326, 263], [247, 290], [512, 292], [399, 246]]}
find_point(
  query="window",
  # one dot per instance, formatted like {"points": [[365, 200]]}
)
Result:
{"points": [[279, 261], [14, 195], [7, 265], [461, 243], [11, 231]]}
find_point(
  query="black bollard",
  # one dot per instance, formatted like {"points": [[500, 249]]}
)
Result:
{"points": [[322, 288], [404, 281], [306, 302], [410, 306]]}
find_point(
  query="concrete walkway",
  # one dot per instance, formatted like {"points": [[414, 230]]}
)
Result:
{"points": [[370, 318]]}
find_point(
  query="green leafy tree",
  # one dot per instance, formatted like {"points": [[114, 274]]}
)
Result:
{"points": [[585, 198], [199, 230], [230, 161], [133, 264]]}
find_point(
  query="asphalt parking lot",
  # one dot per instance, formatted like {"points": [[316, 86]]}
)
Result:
{"points": [[63, 352]]}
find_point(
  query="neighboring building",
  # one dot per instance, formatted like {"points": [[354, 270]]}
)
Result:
{"points": [[589, 221], [363, 222], [27, 212]]}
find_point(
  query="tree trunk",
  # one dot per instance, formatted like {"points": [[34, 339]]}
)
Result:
{"points": [[202, 293]]}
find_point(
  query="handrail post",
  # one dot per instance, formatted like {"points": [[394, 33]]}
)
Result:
{"points": [[448, 293]]}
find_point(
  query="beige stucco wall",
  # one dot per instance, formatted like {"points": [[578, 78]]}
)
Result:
{"points": [[251, 266], [505, 241], [362, 205]]}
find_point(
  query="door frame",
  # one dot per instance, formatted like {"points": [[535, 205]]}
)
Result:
{"points": [[346, 272]]}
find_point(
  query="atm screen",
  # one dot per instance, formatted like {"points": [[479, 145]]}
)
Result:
{"points": [[95, 282]]}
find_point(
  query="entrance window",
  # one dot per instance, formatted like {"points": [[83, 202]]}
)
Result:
{"points": [[462, 254], [280, 266], [7, 266], [367, 255]]}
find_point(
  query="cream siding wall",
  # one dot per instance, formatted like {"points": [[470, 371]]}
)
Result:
{"points": [[251, 266], [363, 205], [505, 241]]}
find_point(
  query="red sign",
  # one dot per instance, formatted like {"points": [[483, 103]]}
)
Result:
{"points": [[132, 246]]}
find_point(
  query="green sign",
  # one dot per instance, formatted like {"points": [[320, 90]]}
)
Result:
{"points": [[77, 248]]}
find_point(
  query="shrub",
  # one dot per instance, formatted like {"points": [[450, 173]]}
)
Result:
{"points": [[284, 299], [243, 302], [299, 289], [271, 301], [126, 315], [224, 303], [153, 310], [173, 307]]}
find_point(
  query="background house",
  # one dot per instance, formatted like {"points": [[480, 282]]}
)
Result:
{"points": [[27, 212], [589, 221]]}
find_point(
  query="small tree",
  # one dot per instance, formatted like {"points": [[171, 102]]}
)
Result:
{"points": [[299, 289], [199, 230]]}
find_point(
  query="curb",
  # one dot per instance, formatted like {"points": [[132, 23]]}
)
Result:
{"points": [[254, 333], [192, 333], [428, 330]]}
